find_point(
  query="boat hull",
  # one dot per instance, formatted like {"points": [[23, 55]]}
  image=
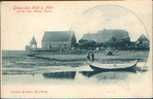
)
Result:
{"points": [[130, 68]]}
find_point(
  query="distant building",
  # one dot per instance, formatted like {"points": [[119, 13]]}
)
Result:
{"points": [[58, 40], [142, 42], [113, 38], [32, 45], [108, 35]]}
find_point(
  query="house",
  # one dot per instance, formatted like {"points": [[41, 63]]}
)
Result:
{"points": [[107, 35], [58, 40], [142, 42], [116, 38]]}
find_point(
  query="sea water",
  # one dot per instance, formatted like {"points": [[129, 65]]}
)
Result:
{"points": [[18, 69]]}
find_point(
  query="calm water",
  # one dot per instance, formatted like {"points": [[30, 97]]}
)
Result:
{"points": [[19, 68]]}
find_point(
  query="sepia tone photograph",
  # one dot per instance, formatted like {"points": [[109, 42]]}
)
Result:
{"points": [[76, 49]]}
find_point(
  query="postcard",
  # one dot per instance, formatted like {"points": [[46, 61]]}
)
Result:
{"points": [[76, 49]]}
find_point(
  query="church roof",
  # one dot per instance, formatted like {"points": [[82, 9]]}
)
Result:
{"points": [[55, 36]]}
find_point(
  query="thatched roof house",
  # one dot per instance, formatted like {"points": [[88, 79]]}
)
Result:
{"points": [[106, 35]]}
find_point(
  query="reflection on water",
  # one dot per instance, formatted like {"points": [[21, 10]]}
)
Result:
{"points": [[70, 76], [106, 75], [111, 75], [89, 74], [61, 75]]}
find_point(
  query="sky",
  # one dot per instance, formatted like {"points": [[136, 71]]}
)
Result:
{"points": [[18, 28]]}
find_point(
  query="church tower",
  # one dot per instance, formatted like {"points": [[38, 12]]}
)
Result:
{"points": [[33, 43]]}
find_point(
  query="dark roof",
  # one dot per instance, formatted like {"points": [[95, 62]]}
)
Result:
{"points": [[55, 36], [142, 37], [106, 35]]}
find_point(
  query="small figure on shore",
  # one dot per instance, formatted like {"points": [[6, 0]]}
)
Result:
{"points": [[110, 53], [90, 56]]}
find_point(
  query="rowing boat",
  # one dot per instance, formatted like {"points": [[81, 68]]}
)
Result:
{"points": [[97, 66]]}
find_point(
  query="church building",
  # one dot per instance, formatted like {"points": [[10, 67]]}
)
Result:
{"points": [[58, 40]]}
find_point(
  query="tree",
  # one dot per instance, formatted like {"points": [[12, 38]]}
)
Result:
{"points": [[87, 44]]}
